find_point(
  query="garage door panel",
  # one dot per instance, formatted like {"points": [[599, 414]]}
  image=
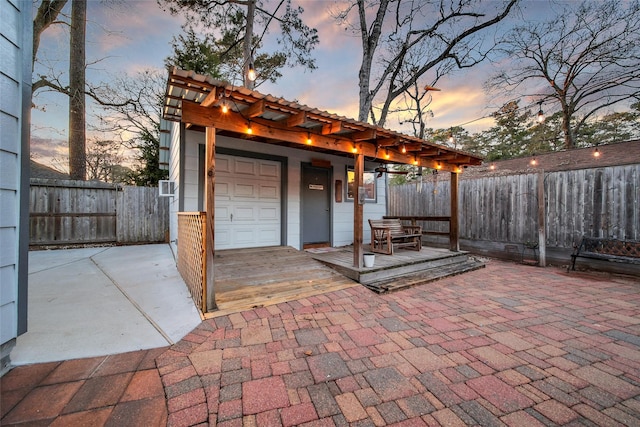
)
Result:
{"points": [[242, 213], [267, 236], [269, 214], [222, 190], [269, 171], [222, 215], [242, 190], [222, 238], [245, 166], [270, 192], [223, 165]]}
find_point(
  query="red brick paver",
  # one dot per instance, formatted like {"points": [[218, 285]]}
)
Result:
{"points": [[506, 345]]}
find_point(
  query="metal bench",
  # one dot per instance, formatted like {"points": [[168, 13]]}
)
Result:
{"points": [[626, 251], [389, 233]]}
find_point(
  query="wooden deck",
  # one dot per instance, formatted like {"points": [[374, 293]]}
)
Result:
{"points": [[403, 268], [256, 277]]}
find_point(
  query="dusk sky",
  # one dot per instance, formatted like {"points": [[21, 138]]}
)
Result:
{"points": [[126, 37]]}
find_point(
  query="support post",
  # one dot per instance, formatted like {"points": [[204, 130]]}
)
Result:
{"points": [[210, 179], [454, 241], [542, 222], [358, 208]]}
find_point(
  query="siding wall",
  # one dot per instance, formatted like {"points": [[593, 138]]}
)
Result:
{"points": [[15, 86]]}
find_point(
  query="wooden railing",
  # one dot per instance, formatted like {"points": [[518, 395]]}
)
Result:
{"points": [[425, 220], [192, 252]]}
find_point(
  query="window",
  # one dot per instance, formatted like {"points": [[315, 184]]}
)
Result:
{"points": [[369, 182]]}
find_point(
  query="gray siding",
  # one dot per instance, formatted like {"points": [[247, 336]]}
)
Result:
{"points": [[15, 87]]}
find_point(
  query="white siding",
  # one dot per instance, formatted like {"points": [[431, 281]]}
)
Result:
{"points": [[174, 175], [15, 56]]}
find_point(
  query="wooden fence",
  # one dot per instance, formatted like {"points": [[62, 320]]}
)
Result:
{"points": [[66, 212], [599, 202]]}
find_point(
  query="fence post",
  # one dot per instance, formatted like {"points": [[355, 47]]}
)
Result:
{"points": [[454, 241], [542, 221]]}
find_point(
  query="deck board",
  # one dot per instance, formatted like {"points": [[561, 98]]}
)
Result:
{"points": [[256, 277]]}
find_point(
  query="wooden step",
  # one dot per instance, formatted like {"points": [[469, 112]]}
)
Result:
{"points": [[424, 276], [382, 273]]}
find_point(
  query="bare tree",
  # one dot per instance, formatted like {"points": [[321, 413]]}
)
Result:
{"points": [[131, 110], [104, 161], [584, 60], [395, 31]]}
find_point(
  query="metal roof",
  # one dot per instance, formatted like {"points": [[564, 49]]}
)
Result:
{"points": [[196, 92]]}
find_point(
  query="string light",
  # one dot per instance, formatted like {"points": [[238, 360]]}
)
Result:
{"points": [[386, 153], [251, 72], [415, 160], [438, 166], [596, 153], [534, 162], [249, 130], [225, 107], [404, 149], [540, 113], [309, 142], [354, 149], [492, 167]]}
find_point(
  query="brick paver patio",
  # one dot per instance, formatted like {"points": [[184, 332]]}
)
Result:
{"points": [[506, 345]]}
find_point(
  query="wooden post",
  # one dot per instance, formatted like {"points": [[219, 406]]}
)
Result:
{"points": [[210, 188], [358, 208], [542, 222], [454, 242]]}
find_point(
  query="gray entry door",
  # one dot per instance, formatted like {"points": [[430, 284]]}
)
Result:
{"points": [[316, 205]]}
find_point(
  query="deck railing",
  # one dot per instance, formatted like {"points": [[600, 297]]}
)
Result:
{"points": [[192, 254]]}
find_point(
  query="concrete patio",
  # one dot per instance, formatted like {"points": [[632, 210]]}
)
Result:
{"points": [[104, 300], [507, 345]]}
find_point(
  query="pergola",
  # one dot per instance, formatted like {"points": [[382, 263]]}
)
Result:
{"points": [[218, 108]]}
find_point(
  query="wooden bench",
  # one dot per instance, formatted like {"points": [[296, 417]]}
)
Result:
{"points": [[626, 251], [389, 233]]}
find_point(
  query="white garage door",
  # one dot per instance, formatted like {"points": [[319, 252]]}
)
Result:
{"points": [[247, 202]]}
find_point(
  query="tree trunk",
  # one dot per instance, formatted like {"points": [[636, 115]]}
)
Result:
{"points": [[77, 152], [248, 57], [566, 129]]}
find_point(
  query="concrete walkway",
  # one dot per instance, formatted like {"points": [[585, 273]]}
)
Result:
{"points": [[508, 345], [100, 301]]}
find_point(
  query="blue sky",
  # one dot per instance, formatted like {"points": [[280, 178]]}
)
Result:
{"points": [[126, 37]]}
